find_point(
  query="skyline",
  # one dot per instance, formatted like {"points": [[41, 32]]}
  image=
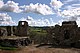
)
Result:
{"points": [[39, 12]]}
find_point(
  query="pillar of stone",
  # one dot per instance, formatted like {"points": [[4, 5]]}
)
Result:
{"points": [[22, 28], [9, 30]]}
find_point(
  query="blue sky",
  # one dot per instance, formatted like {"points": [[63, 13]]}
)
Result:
{"points": [[39, 12]]}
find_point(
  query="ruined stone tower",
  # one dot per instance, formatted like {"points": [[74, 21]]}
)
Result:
{"points": [[67, 34], [22, 28], [69, 30]]}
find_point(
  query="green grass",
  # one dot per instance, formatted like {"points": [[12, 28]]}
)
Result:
{"points": [[8, 48]]}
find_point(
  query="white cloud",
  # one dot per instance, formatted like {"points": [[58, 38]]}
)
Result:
{"points": [[56, 4], [72, 6], [38, 8], [71, 14], [5, 19], [76, 5], [1, 3], [69, 7], [29, 19], [67, 1], [70, 11], [78, 22], [38, 22], [10, 6]]}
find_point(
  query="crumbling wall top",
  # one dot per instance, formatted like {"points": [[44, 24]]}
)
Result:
{"points": [[69, 23]]}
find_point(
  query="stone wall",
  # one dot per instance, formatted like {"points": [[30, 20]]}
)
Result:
{"points": [[66, 34], [3, 32], [22, 28]]}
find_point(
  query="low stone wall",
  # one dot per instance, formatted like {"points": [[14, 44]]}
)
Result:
{"points": [[14, 43]]}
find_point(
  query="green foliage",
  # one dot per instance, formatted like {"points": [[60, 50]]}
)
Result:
{"points": [[8, 48], [39, 35], [37, 32]]}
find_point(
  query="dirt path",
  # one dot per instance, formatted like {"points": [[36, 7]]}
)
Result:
{"points": [[32, 49]]}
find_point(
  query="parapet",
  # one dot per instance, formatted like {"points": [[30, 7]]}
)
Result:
{"points": [[69, 23]]}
